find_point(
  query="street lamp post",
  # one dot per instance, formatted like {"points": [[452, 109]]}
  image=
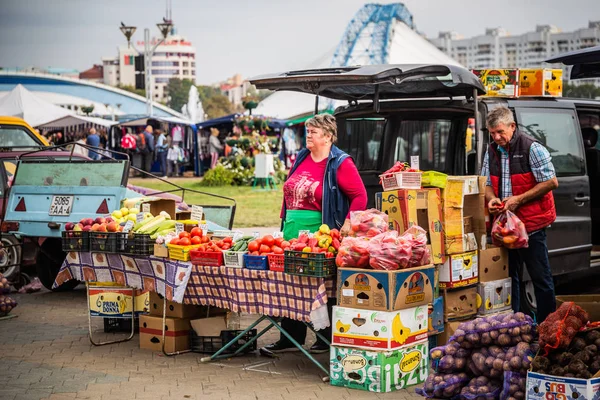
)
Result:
{"points": [[149, 50]]}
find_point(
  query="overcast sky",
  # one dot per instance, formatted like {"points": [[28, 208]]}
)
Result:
{"points": [[246, 36]]}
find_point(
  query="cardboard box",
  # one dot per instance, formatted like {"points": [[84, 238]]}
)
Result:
{"points": [[379, 371], [161, 251], [436, 316], [459, 270], [499, 82], [589, 302], [155, 205], [493, 264], [177, 310], [385, 290], [460, 303], [449, 328], [541, 386], [540, 82], [408, 207], [116, 301], [463, 209], [177, 333], [211, 326], [383, 330], [494, 296], [142, 302]]}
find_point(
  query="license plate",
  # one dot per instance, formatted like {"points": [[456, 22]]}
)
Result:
{"points": [[61, 206]]}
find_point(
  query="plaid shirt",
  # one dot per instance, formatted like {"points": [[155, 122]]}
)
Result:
{"points": [[539, 160]]}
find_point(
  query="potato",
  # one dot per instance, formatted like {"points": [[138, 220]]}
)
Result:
{"points": [[578, 344], [504, 340], [519, 395], [460, 363], [527, 338], [515, 363], [592, 349], [436, 354]]}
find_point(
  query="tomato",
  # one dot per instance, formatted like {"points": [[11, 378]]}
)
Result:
{"points": [[509, 239], [263, 248], [185, 241], [268, 240], [197, 231], [205, 239], [174, 241], [228, 240], [278, 241], [505, 231], [253, 246], [226, 246], [277, 250], [255, 253], [285, 244], [184, 234], [201, 248], [196, 240], [220, 243]]}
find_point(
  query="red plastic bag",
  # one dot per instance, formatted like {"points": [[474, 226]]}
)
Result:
{"points": [[369, 223], [417, 237], [509, 231], [389, 251], [353, 253]]}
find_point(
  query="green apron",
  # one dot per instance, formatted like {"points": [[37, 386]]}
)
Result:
{"points": [[298, 220]]}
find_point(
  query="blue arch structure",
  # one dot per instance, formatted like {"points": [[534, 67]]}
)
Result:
{"points": [[131, 104], [368, 35]]}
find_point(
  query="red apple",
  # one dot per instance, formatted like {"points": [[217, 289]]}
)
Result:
{"points": [[102, 228], [100, 220], [86, 228], [95, 227], [69, 226], [89, 221], [112, 227], [108, 220]]}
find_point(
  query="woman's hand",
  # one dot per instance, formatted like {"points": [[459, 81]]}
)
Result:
{"points": [[345, 231]]}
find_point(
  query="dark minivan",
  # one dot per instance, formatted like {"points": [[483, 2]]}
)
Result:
{"points": [[397, 111]]}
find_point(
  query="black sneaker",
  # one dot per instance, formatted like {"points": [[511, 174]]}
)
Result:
{"points": [[276, 348], [319, 348]]}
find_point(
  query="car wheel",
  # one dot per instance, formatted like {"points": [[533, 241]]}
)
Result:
{"points": [[10, 256], [48, 265], [528, 301]]}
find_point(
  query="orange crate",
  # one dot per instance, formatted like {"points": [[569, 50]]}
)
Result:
{"points": [[276, 262], [181, 253], [207, 258]]}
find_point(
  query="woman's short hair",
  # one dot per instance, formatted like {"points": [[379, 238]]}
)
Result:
{"points": [[325, 122]]}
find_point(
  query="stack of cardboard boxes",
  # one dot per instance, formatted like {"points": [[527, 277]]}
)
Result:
{"points": [[474, 276]]}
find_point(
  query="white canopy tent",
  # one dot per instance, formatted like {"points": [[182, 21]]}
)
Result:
{"points": [[76, 120], [21, 103], [407, 47]]}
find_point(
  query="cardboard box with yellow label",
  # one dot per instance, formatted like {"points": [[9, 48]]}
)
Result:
{"points": [[499, 82], [459, 270], [383, 330], [385, 290], [117, 301], [379, 371], [407, 207], [494, 296], [541, 82]]}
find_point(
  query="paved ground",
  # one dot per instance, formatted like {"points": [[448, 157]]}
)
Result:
{"points": [[45, 354]]}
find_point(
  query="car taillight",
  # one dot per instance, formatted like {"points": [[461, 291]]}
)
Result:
{"points": [[10, 226], [103, 209], [21, 206]]}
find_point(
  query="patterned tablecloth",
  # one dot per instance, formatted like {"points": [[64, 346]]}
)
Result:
{"points": [[164, 276], [276, 294]]}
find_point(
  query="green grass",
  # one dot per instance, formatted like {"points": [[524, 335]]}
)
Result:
{"points": [[255, 208]]}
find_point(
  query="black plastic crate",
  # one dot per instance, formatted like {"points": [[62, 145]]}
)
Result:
{"points": [[75, 241], [103, 242], [144, 245], [212, 344], [112, 325], [308, 264], [125, 243]]}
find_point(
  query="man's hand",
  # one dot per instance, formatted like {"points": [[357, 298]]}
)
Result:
{"points": [[512, 203], [495, 206], [345, 228]]}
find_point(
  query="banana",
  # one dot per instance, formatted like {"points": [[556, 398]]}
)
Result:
{"points": [[399, 332]]}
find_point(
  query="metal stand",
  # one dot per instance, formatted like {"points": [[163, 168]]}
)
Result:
{"points": [[273, 323], [164, 326], [90, 334]]}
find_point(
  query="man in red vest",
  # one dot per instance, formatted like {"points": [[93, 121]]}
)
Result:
{"points": [[520, 178]]}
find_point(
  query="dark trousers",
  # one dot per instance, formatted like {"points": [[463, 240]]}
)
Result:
{"points": [[535, 258], [162, 158], [147, 159], [297, 329]]}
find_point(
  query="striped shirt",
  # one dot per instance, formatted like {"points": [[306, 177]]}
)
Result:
{"points": [[540, 162]]}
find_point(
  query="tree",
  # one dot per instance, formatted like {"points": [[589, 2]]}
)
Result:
{"points": [[207, 92], [217, 106], [178, 91], [132, 89], [585, 91]]}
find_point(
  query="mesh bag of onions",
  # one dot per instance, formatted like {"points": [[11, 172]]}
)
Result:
{"points": [[560, 327]]}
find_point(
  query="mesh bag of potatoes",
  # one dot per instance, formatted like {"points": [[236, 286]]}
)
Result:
{"points": [[502, 330], [443, 386]]}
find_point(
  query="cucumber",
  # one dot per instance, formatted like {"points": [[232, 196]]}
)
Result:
{"points": [[247, 238], [237, 246], [244, 247]]}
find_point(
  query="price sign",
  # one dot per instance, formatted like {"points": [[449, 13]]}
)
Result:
{"points": [[145, 208], [277, 234], [237, 236], [128, 226], [204, 228], [178, 228], [414, 162], [256, 235], [139, 217], [311, 235], [197, 212], [303, 232]]}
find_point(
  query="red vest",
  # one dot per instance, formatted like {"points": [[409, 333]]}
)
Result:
{"points": [[536, 214]]}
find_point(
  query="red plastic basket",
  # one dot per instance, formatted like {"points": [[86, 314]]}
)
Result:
{"points": [[276, 262], [207, 258]]}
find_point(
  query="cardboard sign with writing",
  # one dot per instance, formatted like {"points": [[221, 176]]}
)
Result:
{"points": [[179, 227], [128, 226], [145, 208], [139, 217], [197, 213]]}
